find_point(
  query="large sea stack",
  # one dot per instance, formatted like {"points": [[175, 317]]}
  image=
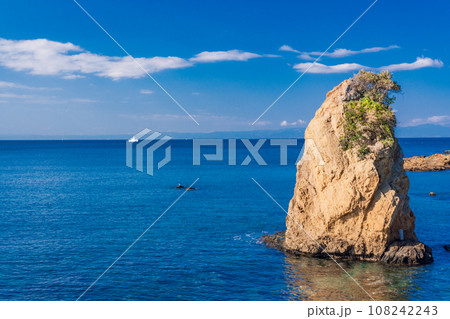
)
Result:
{"points": [[351, 195]]}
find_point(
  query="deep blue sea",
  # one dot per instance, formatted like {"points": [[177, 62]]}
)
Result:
{"points": [[69, 209]]}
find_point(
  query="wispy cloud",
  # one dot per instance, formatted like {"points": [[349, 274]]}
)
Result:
{"points": [[296, 123], [324, 69], [217, 56], [163, 117], [288, 49], [69, 61], [341, 53], [73, 76], [319, 68], [15, 96], [40, 99], [145, 91], [263, 123], [81, 100], [436, 119], [12, 85]]}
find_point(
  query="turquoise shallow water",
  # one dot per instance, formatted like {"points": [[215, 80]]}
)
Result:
{"points": [[70, 208]]}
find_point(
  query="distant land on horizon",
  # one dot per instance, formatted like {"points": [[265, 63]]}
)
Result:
{"points": [[420, 131]]}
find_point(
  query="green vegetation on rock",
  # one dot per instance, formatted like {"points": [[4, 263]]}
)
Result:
{"points": [[368, 117]]}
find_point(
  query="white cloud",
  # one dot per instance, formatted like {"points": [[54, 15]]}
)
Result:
{"points": [[164, 117], [288, 49], [69, 61], [378, 49], [216, 56], [39, 99], [73, 76], [296, 123], [418, 64], [306, 56], [145, 91], [263, 123], [15, 96], [45, 57], [324, 69], [349, 67], [341, 53], [436, 119], [271, 56], [12, 85], [81, 100]]}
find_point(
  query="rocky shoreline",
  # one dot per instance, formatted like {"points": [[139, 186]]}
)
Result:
{"points": [[407, 252], [436, 162]]}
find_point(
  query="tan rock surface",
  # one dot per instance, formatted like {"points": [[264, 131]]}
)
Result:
{"points": [[352, 207], [436, 162]]}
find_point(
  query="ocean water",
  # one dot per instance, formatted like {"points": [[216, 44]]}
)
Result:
{"points": [[69, 209]]}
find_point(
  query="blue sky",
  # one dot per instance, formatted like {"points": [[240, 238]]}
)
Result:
{"points": [[60, 74]]}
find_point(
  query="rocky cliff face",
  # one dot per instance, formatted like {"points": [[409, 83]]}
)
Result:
{"points": [[348, 206]]}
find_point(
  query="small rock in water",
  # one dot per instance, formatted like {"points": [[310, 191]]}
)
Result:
{"points": [[407, 252], [447, 247], [435, 162], [445, 151], [432, 194]]}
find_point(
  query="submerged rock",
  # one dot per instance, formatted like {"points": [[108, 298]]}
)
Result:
{"points": [[436, 162], [274, 241], [346, 205]]}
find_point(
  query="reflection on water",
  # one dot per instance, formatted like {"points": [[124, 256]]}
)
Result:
{"points": [[321, 279]]}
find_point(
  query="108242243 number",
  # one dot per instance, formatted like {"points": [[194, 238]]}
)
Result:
{"points": [[404, 311]]}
